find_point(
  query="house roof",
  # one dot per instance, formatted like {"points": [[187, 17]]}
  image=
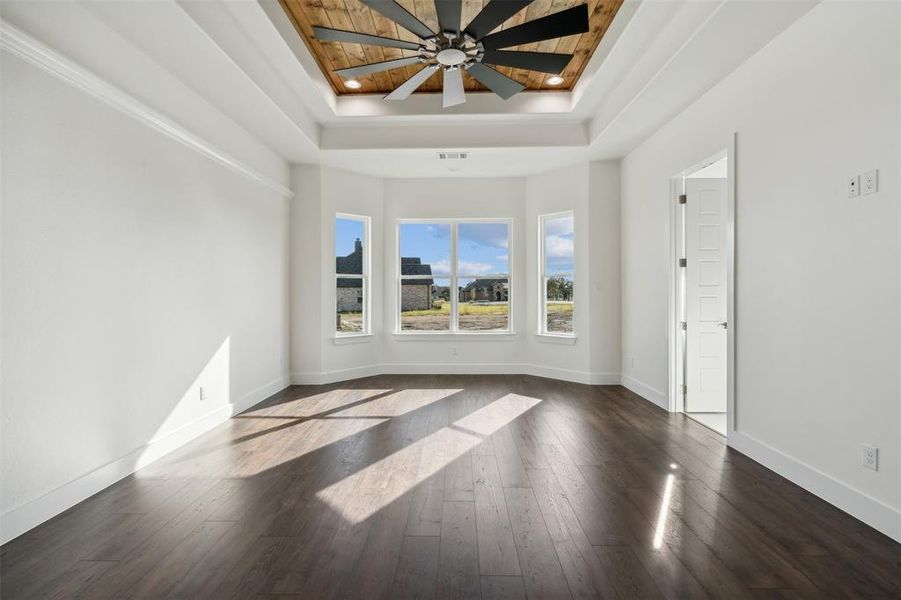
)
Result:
{"points": [[479, 284], [352, 264], [412, 265]]}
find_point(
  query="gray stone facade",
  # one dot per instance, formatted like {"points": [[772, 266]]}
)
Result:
{"points": [[416, 297], [350, 299]]}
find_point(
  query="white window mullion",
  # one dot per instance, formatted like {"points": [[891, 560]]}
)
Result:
{"points": [[453, 280]]}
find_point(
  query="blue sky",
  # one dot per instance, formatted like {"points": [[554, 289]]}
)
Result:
{"points": [[346, 231], [481, 247], [559, 238]]}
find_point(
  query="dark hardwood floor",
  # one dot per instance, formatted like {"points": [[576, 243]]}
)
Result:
{"points": [[453, 487]]}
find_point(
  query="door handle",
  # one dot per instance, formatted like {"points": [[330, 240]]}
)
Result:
{"points": [[724, 325]]}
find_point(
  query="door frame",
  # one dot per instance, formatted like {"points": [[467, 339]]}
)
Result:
{"points": [[674, 334]]}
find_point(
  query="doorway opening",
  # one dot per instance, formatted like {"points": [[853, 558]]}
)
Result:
{"points": [[702, 235]]}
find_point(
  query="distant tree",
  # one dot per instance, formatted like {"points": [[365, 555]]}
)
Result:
{"points": [[559, 288]]}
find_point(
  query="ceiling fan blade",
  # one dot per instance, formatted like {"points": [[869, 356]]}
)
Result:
{"points": [[546, 62], [449, 14], [498, 83], [337, 35], [494, 13], [399, 15], [453, 93], [563, 23], [404, 90], [376, 67]]}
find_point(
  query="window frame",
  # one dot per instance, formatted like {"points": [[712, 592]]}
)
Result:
{"points": [[453, 277], [543, 277], [367, 288]]}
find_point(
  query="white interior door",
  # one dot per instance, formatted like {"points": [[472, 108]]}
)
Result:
{"points": [[705, 295]]}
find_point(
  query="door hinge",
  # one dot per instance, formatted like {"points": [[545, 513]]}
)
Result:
{"points": [[684, 389], [683, 262], [683, 198]]}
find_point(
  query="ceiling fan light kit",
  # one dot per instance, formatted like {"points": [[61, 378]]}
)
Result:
{"points": [[453, 50]]}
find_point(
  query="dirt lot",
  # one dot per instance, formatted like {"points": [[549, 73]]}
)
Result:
{"points": [[473, 317], [350, 322], [560, 317]]}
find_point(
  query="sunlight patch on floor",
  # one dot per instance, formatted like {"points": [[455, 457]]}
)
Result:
{"points": [[662, 515], [309, 406], [400, 472], [271, 436]]}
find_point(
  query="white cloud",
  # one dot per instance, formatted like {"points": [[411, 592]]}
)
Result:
{"points": [[441, 266], [561, 226], [463, 268], [556, 246], [474, 268]]}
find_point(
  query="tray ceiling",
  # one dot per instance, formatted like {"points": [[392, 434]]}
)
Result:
{"points": [[352, 15]]}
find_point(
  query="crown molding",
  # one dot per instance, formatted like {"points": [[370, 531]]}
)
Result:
{"points": [[17, 42]]}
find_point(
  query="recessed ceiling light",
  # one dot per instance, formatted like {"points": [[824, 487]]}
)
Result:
{"points": [[555, 80], [353, 84]]}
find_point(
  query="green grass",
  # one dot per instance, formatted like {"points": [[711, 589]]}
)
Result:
{"points": [[469, 308], [554, 308], [466, 308]]}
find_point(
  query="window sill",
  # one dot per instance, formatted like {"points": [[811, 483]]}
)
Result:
{"points": [[353, 338], [551, 338], [409, 336]]}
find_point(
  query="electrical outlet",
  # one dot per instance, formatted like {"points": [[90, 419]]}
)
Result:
{"points": [[854, 186], [202, 394], [453, 351], [870, 457], [869, 182], [631, 362]]}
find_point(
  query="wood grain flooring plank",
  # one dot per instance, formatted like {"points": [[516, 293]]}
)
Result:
{"points": [[497, 550], [458, 566], [417, 570], [386, 487], [541, 571]]}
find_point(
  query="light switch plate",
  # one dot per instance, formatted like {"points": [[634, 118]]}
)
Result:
{"points": [[853, 186], [869, 182]]}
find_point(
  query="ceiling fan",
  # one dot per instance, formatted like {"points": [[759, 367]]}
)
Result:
{"points": [[471, 48]]}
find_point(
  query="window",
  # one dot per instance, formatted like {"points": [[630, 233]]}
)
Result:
{"points": [[557, 237], [351, 275], [454, 276]]}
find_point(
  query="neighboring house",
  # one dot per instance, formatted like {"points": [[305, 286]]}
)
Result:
{"points": [[416, 293], [440, 292], [485, 290], [350, 290]]}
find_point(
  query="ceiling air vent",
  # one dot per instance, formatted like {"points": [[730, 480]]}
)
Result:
{"points": [[452, 155]]}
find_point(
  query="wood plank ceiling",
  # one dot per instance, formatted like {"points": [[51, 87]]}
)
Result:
{"points": [[352, 15]]}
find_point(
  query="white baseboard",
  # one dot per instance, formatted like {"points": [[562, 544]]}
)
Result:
{"points": [[873, 512], [645, 391], [20, 519], [455, 369], [335, 376], [261, 393]]}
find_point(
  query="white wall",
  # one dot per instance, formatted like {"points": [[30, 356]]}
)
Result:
{"points": [[817, 292], [134, 271], [591, 191], [455, 198], [320, 193]]}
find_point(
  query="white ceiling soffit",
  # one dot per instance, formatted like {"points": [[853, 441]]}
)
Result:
{"points": [[75, 30], [211, 65], [480, 162], [702, 44], [658, 57], [205, 48]]}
